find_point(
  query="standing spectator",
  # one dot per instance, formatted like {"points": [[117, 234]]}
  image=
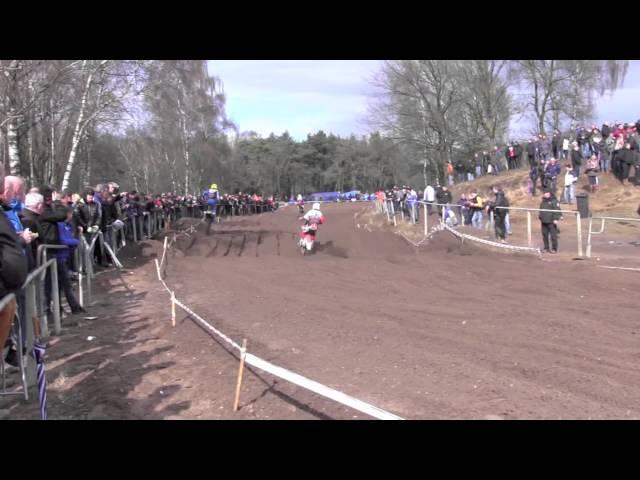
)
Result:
{"points": [[52, 213], [12, 206], [531, 152], [460, 170], [88, 215], [533, 178], [565, 148], [496, 159], [465, 209], [397, 199], [556, 144], [429, 197], [469, 168], [412, 205], [486, 161], [450, 172], [592, 173], [513, 157], [109, 217], [443, 197], [549, 221], [476, 205], [542, 167], [569, 184], [606, 152], [576, 159], [477, 161], [545, 147], [605, 130], [499, 214], [518, 151], [33, 205], [616, 158], [65, 233], [626, 158], [13, 267], [584, 143], [552, 172]]}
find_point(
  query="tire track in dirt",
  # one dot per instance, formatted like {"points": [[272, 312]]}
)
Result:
{"points": [[258, 243], [226, 253], [212, 253], [242, 244]]}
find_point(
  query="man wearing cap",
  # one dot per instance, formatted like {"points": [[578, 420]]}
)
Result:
{"points": [[549, 221]]}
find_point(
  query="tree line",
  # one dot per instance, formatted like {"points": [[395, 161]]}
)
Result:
{"points": [[161, 125]]}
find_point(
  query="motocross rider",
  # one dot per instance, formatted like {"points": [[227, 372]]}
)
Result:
{"points": [[314, 216], [212, 197]]}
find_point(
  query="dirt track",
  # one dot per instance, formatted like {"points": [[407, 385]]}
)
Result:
{"points": [[445, 331]]}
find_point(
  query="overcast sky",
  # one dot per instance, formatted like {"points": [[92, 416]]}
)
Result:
{"points": [[304, 96]]}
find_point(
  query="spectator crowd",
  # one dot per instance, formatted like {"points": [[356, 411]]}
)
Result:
{"points": [[614, 148], [45, 216]]}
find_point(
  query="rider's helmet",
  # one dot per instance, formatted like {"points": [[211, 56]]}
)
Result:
{"points": [[214, 186], [316, 206]]}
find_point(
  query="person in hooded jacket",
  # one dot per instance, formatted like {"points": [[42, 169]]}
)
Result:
{"points": [[499, 214]]}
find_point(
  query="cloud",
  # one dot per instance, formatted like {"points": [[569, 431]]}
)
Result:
{"points": [[301, 96], [304, 96]]}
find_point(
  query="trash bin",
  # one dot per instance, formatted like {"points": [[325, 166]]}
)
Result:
{"points": [[582, 199]]}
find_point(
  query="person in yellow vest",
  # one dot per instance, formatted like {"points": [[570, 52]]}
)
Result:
{"points": [[476, 204]]}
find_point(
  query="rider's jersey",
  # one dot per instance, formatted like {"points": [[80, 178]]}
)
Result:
{"points": [[211, 197], [314, 216]]}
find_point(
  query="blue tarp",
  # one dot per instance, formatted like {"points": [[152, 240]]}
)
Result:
{"points": [[322, 197]]}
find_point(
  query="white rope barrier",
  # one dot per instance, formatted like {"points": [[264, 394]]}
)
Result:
{"points": [[320, 389], [493, 244], [283, 373], [621, 268], [208, 326]]}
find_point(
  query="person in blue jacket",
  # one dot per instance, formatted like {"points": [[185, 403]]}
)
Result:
{"points": [[63, 256]]}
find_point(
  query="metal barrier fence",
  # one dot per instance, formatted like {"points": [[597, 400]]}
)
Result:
{"points": [[388, 207], [602, 227], [42, 283], [33, 305]]}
